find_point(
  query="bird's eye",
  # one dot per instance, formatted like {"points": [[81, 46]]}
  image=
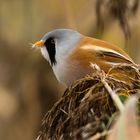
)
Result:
{"points": [[52, 41]]}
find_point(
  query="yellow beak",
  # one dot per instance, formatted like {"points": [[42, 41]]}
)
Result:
{"points": [[38, 44]]}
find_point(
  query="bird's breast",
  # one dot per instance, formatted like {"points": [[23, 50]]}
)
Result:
{"points": [[71, 71]]}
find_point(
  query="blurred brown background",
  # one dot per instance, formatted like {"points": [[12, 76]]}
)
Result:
{"points": [[28, 87]]}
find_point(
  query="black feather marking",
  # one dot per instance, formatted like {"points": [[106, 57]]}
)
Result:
{"points": [[113, 55], [50, 46]]}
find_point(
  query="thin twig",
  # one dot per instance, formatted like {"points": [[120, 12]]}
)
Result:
{"points": [[114, 96], [99, 135]]}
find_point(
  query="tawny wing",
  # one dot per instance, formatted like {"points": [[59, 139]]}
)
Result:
{"points": [[99, 52], [106, 51]]}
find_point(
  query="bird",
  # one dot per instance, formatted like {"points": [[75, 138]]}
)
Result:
{"points": [[70, 54]]}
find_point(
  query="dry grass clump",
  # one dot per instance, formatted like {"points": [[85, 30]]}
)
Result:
{"points": [[87, 108]]}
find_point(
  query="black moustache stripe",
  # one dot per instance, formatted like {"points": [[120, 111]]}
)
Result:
{"points": [[51, 50]]}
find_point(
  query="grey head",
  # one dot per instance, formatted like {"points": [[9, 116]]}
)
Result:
{"points": [[58, 43]]}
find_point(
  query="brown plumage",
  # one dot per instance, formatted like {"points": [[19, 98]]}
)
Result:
{"points": [[102, 53], [71, 54]]}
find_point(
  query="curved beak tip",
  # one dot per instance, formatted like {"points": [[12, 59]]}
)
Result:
{"points": [[38, 44]]}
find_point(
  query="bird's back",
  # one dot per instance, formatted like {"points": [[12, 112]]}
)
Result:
{"points": [[99, 52]]}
